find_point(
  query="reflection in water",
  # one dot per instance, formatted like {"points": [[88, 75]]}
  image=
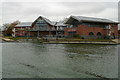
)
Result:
{"points": [[33, 60]]}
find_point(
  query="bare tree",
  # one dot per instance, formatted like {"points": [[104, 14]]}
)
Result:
{"points": [[8, 27]]}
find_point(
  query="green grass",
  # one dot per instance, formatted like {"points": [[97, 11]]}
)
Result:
{"points": [[119, 36], [77, 39]]}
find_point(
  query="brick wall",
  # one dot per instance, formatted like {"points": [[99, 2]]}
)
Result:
{"points": [[85, 30], [20, 31]]}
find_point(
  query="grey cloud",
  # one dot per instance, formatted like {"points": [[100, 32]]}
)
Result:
{"points": [[28, 11], [119, 11], [89, 7]]}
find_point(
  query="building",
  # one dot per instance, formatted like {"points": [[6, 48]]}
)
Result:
{"points": [[89, 27], [60, 26], [83, 27], [20, 30], [43, 27]]}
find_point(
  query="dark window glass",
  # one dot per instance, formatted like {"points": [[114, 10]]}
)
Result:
{"points": [[72, 32], [99, 34], [41, 25], [91, 33], [95, 25]]}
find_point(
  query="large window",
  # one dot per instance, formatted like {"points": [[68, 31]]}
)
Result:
{"points": [[41, 25], [72, 33], [95, 25], [91, 34], [41, 21], [99, 34]]}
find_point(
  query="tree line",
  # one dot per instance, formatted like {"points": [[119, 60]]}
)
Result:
{"points": [[8, 28]]}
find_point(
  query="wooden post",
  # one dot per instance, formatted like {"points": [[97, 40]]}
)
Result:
{"points": [[56, 33], [38, 34]]}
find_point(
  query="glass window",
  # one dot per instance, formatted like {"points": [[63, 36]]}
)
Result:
{"points": [[72, 32], [95, 25], [91, 33], [99, 34]]}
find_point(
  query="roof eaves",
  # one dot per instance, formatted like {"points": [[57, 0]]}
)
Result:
{"points": [[100, 21]]}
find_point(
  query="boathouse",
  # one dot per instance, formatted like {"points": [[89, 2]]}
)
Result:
{"points": [[80, 26], [90, 27], [43, 27]]}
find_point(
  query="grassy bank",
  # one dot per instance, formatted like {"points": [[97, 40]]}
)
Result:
{"points": [[93, 40], [119, 36], [16, 38], [60, 40]]}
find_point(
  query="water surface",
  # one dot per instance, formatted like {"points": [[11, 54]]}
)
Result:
{"points": [[34, 60]]}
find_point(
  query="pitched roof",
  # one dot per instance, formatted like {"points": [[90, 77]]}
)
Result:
{"points": [[91, 19], [47, 20], [60, 24], [24, 24]]}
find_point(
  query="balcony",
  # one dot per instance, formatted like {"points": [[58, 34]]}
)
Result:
{"points": [[41, 29]]}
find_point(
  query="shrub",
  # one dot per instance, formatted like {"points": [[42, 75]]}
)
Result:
{"points": [[75, 35], [119, 36]]}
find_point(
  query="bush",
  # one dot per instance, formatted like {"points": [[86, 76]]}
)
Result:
{"points": [[107, 37], [75, 35], [119, 36]]}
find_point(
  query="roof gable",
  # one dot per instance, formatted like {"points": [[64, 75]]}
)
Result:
{"points": [[45, 19], [60, 24]]}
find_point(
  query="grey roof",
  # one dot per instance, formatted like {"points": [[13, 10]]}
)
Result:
{"points": [[91, 19], [53, 22], [60, 24], [48, 21], [24, 24]]}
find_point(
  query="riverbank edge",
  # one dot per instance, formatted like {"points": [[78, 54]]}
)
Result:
{"points": [[102, 43], [66, 42]]}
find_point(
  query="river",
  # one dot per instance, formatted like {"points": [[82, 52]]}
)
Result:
{"points": [[35, 60]]}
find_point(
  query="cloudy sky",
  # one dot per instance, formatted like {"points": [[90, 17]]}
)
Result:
{"points": [[56, 10]]}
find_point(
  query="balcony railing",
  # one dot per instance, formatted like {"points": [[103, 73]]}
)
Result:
{"points": [[43, 29]]}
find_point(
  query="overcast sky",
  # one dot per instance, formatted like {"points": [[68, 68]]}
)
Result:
{"points": [[25, 11]]}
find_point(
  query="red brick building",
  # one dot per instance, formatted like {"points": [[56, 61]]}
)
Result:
{"points": [[88, 27], [20, 30], [85, 27]]}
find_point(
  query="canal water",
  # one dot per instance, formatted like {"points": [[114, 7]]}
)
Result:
{"points": [[35, 60]]}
